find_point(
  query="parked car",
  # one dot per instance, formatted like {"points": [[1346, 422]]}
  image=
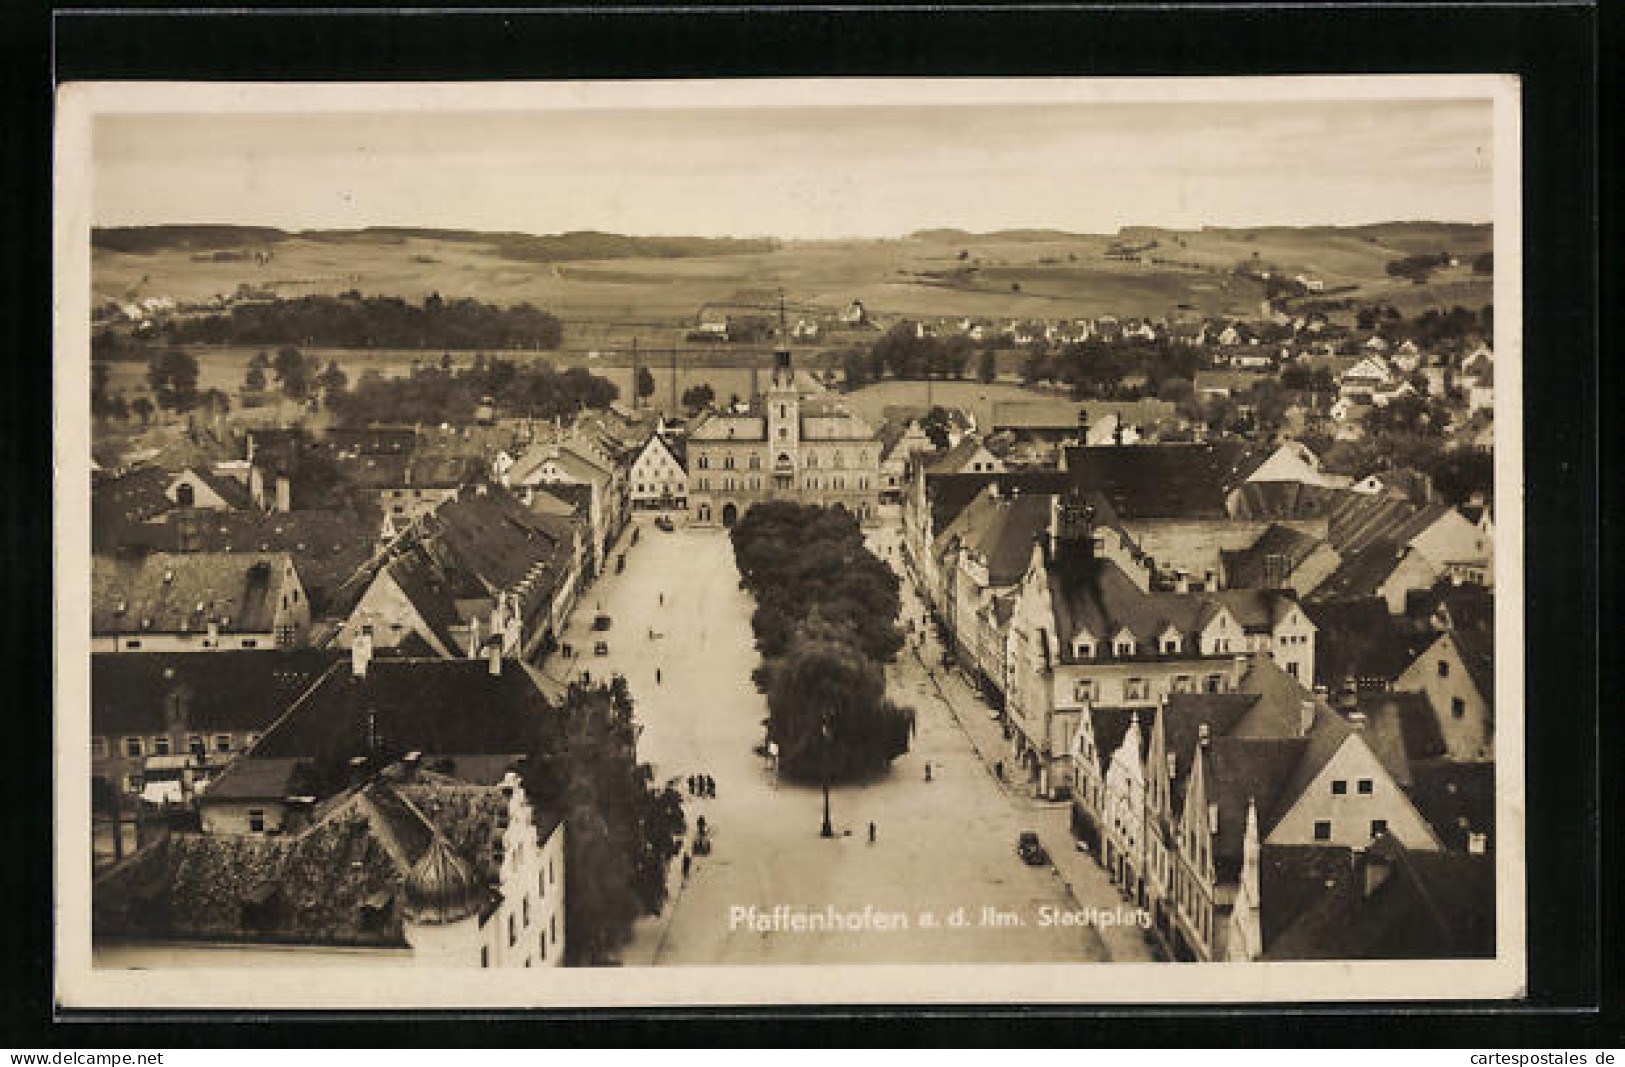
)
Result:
{"points": [[1031, 850], [601, 648], [601, 622], [665, 524]]}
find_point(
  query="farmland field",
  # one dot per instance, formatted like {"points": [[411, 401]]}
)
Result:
{"points": [[606, 300]]}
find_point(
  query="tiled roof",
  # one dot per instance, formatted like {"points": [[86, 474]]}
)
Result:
{"points": [[1478, 652], [1248, 568], [1159, 481], [717, 426], [1003, 532], [440, 707], [430, 594], [1432, 905], [497, 541], [226, 691], [1359, 639], [337, 882], [233, 492], [327, 546], [1257, 610], [252, 778], [1243, 770], [948, 494], [1362, 572], [1358, 521], [1283, 500], [1469, 607], [183, 592], [116, 503], [1096, 597], [954, 459], [1456, 798]]}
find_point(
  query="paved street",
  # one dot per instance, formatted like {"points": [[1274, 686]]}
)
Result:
{"points": [[942, 845]]}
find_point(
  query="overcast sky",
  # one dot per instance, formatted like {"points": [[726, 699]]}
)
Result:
{"points": [[805, 171]]}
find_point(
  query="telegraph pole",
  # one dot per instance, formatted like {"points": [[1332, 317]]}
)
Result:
{"points": [[636, 397]]}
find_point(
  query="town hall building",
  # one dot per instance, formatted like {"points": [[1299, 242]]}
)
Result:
{"points": [[787, 446]]}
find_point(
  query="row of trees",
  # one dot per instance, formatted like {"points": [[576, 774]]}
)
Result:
{"points": [[826, 625], [354, 321], [434, 394]]}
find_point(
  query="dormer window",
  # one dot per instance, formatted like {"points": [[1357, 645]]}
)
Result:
{"points": [[1123, 646], [1083, 649]]}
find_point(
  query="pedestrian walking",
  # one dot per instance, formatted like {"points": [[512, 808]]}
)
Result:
{"points": [[928, 772], [662, 599], [657, 676], [871, 831]]}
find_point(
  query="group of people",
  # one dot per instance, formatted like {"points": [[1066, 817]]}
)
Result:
{"points": [[702, 785]]}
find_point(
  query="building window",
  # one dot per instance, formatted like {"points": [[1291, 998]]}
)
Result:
{"points": [[705, 463], [98, 747], [1215, 683], [1123, 648], [549, 872], [256, 820], [727, 463], [783, 433], [527, 911], [1323, 830], [1339, 787], [1292, 668], [1170, 647], [131, 645], [1379, 827], [1444, 668], [1084, 691], [160, 745], [552, 923], [1365, 787], [1083, 649], [1135, 688], [222, 742], [1182, 683], [195, 746], [249, 642], [1458, 708], [755, 462], [513, 931]]}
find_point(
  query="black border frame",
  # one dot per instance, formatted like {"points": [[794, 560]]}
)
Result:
{"points": [[1574, 953]]}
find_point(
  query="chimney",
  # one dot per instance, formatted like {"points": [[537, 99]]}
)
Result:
{"points": [[410, 764], [1357, 719], [361, 652], [1477, 843], [1182, 581], [284, 493], [214, 633], [1204, 736], [1306, 717], [493, 657]]}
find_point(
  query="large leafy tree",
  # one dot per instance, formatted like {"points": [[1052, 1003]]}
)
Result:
{"points": [[620, 832], [699, 397], [172, 373], [827, 704]]}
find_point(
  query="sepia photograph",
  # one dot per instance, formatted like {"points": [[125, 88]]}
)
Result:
{"points": [[789, 542]]}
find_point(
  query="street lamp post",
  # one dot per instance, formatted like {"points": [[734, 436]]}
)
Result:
{"points": [[828, 830]]}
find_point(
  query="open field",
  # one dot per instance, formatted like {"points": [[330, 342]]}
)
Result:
{"points": [[977, 398], [1060, 275]]}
